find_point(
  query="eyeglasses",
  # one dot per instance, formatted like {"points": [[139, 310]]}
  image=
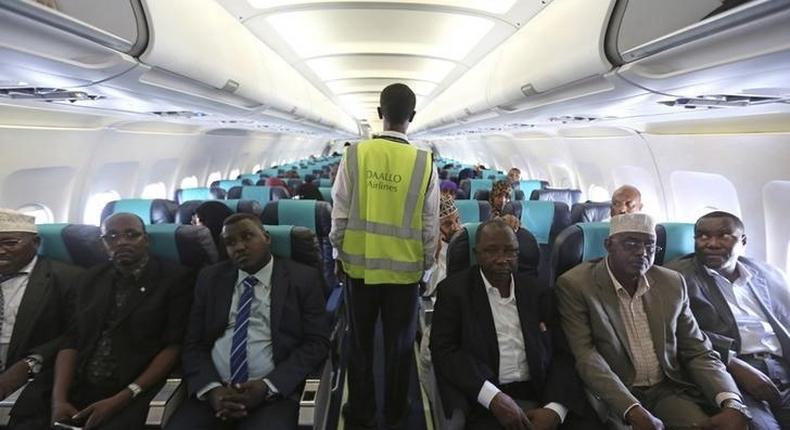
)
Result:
{"points": [[10, 244], [130, 235], [635, 246]]}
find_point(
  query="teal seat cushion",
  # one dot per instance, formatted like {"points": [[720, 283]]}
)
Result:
{"points": [[594, 234], [281, 239], [139, 207], [297, 212], [163, 241], [259, 193], [326, 193], [52, 243], [196, 194], [325, 182], [479, 184], [251, 177], [679, 239], [537, 217], [232, 204], [528, 186], [227, 184], [468, 211]]}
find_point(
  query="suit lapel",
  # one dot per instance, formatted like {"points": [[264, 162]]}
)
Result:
{"points": [[222, 294], [654, 308], [279, 292], [711, 289], [483, 316], [528, 317], [141, 289], [32, 304], [611, 304]]}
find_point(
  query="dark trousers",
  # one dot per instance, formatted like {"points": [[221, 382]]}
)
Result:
{"points": [[765, 416], [397, 307], [195, 414]]}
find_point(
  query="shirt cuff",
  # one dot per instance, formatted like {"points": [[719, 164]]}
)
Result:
{"points": [[561, 410], [487, 393], [625, 414], [726, 395], [271, 386], [201, 395]]}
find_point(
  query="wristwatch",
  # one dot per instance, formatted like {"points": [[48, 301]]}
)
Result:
{"points": [[135, 389], [738, 406], [33, 366]]}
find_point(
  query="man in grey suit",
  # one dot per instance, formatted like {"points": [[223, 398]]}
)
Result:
{"points": [[744, 307], [636, 343]]}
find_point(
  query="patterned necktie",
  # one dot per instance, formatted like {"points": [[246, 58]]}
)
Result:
{"points": [[238, 350]]}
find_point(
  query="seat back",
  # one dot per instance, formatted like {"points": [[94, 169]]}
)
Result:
{"points": [[545, 220], [590, 212], [227, 184], [471, 186], [325, 182], [296, 243], [676, 239], [76, 244], [460, 250], [530, 185], [568, 196], [473, 211], [486, 194], [151, 211], [313, 215], [326, 193], [204, 193], [244, 206], [188, 245], [252, 177], [576, 244], [263, 194]]}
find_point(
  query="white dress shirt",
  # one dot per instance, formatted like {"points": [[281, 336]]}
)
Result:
{"points": [[13, 291], [756, 332], [341, 203], [260, 359], [513, 365]]}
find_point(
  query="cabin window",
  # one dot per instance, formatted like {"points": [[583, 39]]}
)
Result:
{"points": [[776, 201], [234, 174], [95, 205], [698, 193], [597, 193], [189, 182], [42, 213], [157, 190], [255, 168], [213, 177]]}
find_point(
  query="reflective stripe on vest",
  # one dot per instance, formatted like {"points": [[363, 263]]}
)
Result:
{"points": [[377, 245]]}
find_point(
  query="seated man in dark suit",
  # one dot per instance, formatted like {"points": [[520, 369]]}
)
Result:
{"points": [[744, 307], [257, 328], [637, 346], [129, 321], [34, 296], [494, 345]]}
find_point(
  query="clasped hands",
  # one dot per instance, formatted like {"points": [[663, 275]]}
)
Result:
{"points": [[235, 401]]}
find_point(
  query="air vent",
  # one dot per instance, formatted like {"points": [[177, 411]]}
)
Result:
{"points": [[181, 114], [47, 94], [577, 119], [238, 122], [517, 125], [722, 101]]}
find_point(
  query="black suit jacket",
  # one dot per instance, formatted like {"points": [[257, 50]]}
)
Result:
{"points": [[464, 344], [41, 322], [153, 317], [714, 315], [300, 329]]}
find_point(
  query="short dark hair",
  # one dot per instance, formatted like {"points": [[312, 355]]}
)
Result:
{"points": [[721, 214], [397, 103], [490, 223], [117, 214], [241, 216]]}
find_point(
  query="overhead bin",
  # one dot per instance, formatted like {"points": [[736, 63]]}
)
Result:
{"points": [[561, 45], [704, 53]]}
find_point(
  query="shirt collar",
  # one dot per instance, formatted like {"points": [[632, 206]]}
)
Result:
{"points": [[392, 133], [28, 269], [744, 275], [640, 289], [264, 275], [490, 289], [137, 271]]}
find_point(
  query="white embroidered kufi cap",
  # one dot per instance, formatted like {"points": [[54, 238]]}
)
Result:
{"points": [[17, 222], [632, 223]]}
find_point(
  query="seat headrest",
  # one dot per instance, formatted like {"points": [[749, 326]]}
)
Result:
{"points": [[296, 243], [263, 194], [326, 193], [472, 185], [530, 185], [590, 212], [676, 239], [517, 195], [461, 195], [325, 182], [244, 206], [473, 211], [566, 195], [204, 193], [312, 214], [576, 244], [460, 251], [188, 245], [76, 244], [251, 177], [151, 211], [227, 184], [544, 219]]}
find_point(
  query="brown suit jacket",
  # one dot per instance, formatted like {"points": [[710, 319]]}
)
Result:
{"points": [[590, 314]]}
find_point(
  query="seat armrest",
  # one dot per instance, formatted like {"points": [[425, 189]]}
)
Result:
{"points": [[165, 403], [316, 397], [7, 404]]}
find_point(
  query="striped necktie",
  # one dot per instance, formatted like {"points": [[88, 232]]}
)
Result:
{"points": [[238, 350]]}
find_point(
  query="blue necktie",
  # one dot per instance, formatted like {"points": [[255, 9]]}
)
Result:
{"points": [[238, 350]]}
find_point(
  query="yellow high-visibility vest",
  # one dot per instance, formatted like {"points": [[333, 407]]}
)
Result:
{"points": [[382, 243]]}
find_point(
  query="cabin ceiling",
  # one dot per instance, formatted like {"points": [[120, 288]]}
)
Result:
{"points": [[351, 49]]}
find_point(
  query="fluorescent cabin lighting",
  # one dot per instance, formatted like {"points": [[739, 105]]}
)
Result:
{"points": [[489, 6]]}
